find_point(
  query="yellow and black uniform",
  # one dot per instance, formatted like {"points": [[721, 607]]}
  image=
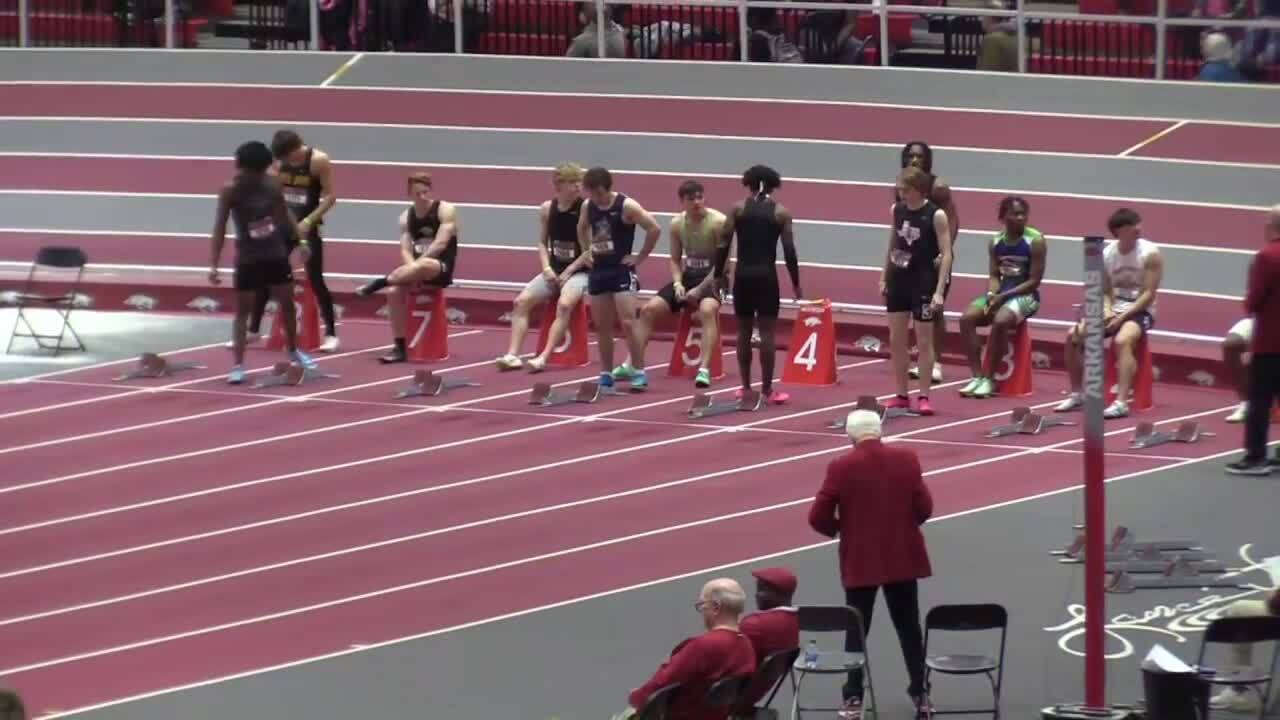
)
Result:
{"points": [[302, 190], [422, 232], [699, 240]]}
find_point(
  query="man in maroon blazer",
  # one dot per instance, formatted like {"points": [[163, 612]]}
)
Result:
{"points": [[776, 627], [1262, 301], [874, 498]]}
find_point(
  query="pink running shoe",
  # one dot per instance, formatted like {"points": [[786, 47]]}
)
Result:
{"points": [[924, 407], [777, 397], [737, 394], [897, 401]]}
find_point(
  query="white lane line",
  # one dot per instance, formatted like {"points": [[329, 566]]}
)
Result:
{"points": [[604, 135], [522, 561]]}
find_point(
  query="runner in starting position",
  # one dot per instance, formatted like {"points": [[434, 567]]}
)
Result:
{"points": [[265, 230]]}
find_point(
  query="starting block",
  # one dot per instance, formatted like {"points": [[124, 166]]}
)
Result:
{"points": [[1123, 582], [1024, 422], [870, 402], [702, 405], [428, 383], [286, 373], [1145, 435], [151, 365], [588, 391]]}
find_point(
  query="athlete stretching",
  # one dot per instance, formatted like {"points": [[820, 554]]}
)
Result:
{"points": [[1017, 259], [606, 232], [428, 256], [918, 154], [695, 234], [265, 232], [564, 268], [759, 222], [917, 264]]}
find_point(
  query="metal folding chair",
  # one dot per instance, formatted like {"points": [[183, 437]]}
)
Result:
{"points": [[658, 705], [52, 258], [726, 691], [832, 619], [967, 618], [1235, 630], [769, 674]]}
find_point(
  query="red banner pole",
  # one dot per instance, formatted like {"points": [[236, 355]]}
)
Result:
{"points": [[1094, 390]]}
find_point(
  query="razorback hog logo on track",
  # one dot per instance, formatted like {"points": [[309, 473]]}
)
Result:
{"points": [[141, 302], [1174, 622], [868, 343], [1203, 378], [338, 311], [203, 303], [1040, 359], [455, 316], [1156, 372], [505, 317], [9, 297], [80, 300], [812, 322], [384, 311]]}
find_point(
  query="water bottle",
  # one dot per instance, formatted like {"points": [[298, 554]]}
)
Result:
{"points": [[811, 654]]}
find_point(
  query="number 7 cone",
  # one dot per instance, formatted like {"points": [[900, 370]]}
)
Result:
{"points": [[811, 356]]}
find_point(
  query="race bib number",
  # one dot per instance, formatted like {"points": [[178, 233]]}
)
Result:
{"points": [[697, 263], [295, 197], [419, 248], [900, 258], [564, 251], [602, 247], [262, 229]]}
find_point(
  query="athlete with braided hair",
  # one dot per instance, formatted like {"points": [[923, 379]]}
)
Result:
{"points": [[759, 222]]}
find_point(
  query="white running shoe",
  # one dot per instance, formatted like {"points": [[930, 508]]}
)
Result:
{"points": [[1239, 414], [509, 362], [1073, 402], [329, 345], [1116, 410]]}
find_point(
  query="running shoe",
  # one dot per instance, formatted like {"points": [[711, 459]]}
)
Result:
{"points": [[972, 385], [1249, 467], [1072, 402], [986, 388], [1240, 412], [330, 344], [923, 406], [639, 381], [606, 380], [236, 376], [703, 380], [304, 360], [536, 365], [777, 397], [1116, 410], [623, 371], [509, 362], [898, 401]]}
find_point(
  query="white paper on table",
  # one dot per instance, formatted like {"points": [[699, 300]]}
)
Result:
{"points": [[1161, 659]]}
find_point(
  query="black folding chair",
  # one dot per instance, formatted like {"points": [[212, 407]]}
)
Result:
{"points": [[967, 618], [769, 674], [726, 691], [51, 258], [831, 619], [658, 705], [1235, 630]]}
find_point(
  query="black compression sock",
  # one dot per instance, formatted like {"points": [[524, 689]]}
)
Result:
{"points": [[400, 345], [374, 286]]}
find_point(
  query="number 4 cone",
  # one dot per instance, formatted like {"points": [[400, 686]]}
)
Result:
{"points": [[811, 356]]}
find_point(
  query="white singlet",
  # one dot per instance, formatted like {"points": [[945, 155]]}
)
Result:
{"points": [[1128, 273]]}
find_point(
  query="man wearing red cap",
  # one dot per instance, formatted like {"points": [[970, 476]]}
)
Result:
{"points": [[874, 498], [775, 628], [698, 662]]}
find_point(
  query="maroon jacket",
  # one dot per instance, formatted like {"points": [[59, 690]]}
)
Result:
{"points": [[875, 499], [770, 631], [697, 663], [1262, 299]]}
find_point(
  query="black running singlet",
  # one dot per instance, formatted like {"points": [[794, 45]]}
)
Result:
{"points": [[261, 234], [562, 235], [422, 231], [301, 187], [758, 231], [915, 242]]}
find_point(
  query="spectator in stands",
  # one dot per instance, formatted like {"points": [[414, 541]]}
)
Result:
{"points": [[698, 662], [587, 45], [874, 498], [767, 42], [1232, 699], [775, 628], [1262, 301], [999, 50], [11, 707], [1216, 48], [1260, 46]]}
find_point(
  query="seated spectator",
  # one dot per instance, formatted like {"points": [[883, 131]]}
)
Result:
{"points": [[775, 628], [698, 662], [1216, 48], [1240, 700], [586, 43], [11, 706], [767, 42], [999, 49]]}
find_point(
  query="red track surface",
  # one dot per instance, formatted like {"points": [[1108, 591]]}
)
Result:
{"points": [[818, 122], [464, 509], [1218, 143], [1181, 313], [1165, 223], [155, 539]]}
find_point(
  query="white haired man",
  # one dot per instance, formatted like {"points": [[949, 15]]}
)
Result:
{"points": [[874, 499], [698, 662]]}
